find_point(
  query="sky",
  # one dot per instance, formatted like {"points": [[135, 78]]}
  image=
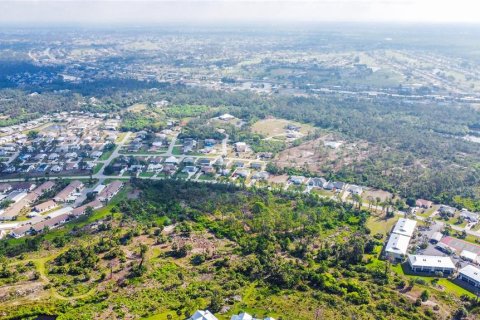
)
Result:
{"points": [[236, 11]]}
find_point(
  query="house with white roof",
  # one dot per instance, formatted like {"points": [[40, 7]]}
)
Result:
{"points": [[154, 167], [171, 160], [203, 315], [71, 155], [405, 227], [53, 156], [353, 189], [470, 216], [470, 274], [424, 263], [436, 237], [96, 154], [397, 246], [297, 180], [240, 147], [226, 117]]}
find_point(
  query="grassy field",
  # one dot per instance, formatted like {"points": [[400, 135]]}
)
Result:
{"points": [[299, 188], [107, 181], [380, 225], [323, 193], [138, 107], [275, 127], [443, 284], [427, 212]]}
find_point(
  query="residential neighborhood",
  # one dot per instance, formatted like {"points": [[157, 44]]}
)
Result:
{"points": [[44, 212]]}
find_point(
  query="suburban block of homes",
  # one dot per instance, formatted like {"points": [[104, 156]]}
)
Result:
{"points": [[54, 212]]}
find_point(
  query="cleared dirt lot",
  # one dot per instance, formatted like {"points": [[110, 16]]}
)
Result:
{"points": [[375, 193], [278, 179], [317, 157]]}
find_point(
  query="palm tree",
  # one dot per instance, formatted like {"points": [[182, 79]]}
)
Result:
{"points": [[143, 254], [370, 202]]}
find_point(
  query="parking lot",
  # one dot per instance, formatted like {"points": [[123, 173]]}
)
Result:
{"points": [[432, 250]]}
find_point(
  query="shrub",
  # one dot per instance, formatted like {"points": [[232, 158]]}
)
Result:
{"points": [[424, 295]]}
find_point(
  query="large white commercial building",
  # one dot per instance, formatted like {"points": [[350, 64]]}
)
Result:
{"points": [[397, 246], [422, 263], [470, 274], [405, 227]]}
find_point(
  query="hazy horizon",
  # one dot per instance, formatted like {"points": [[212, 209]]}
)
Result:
{"points": [[192, 12]]}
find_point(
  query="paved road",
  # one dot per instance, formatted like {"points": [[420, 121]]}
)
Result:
{"points": [[224, 145], [99, 175], [13, 156], [171, 146]]}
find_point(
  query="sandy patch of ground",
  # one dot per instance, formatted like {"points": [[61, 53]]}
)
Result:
{"points": [[375, 193], [278, 179]]}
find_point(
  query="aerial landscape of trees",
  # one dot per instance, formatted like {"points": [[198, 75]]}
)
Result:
{"points": [[267, 243]]}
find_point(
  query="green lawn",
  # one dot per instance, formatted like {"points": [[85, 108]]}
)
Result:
{"points": [[181, 175], [323, 193], [454, 288], [177, 150], [97, 168], [469, 237], [107, 154], [206, 177], [147, 174], [447, 284], [427, 212], [380, 225], [107, 181], [453, 221], [298, 188]]}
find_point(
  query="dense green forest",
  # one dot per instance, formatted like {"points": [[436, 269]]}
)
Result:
{"points": [[287, 255], [420, 150]]}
